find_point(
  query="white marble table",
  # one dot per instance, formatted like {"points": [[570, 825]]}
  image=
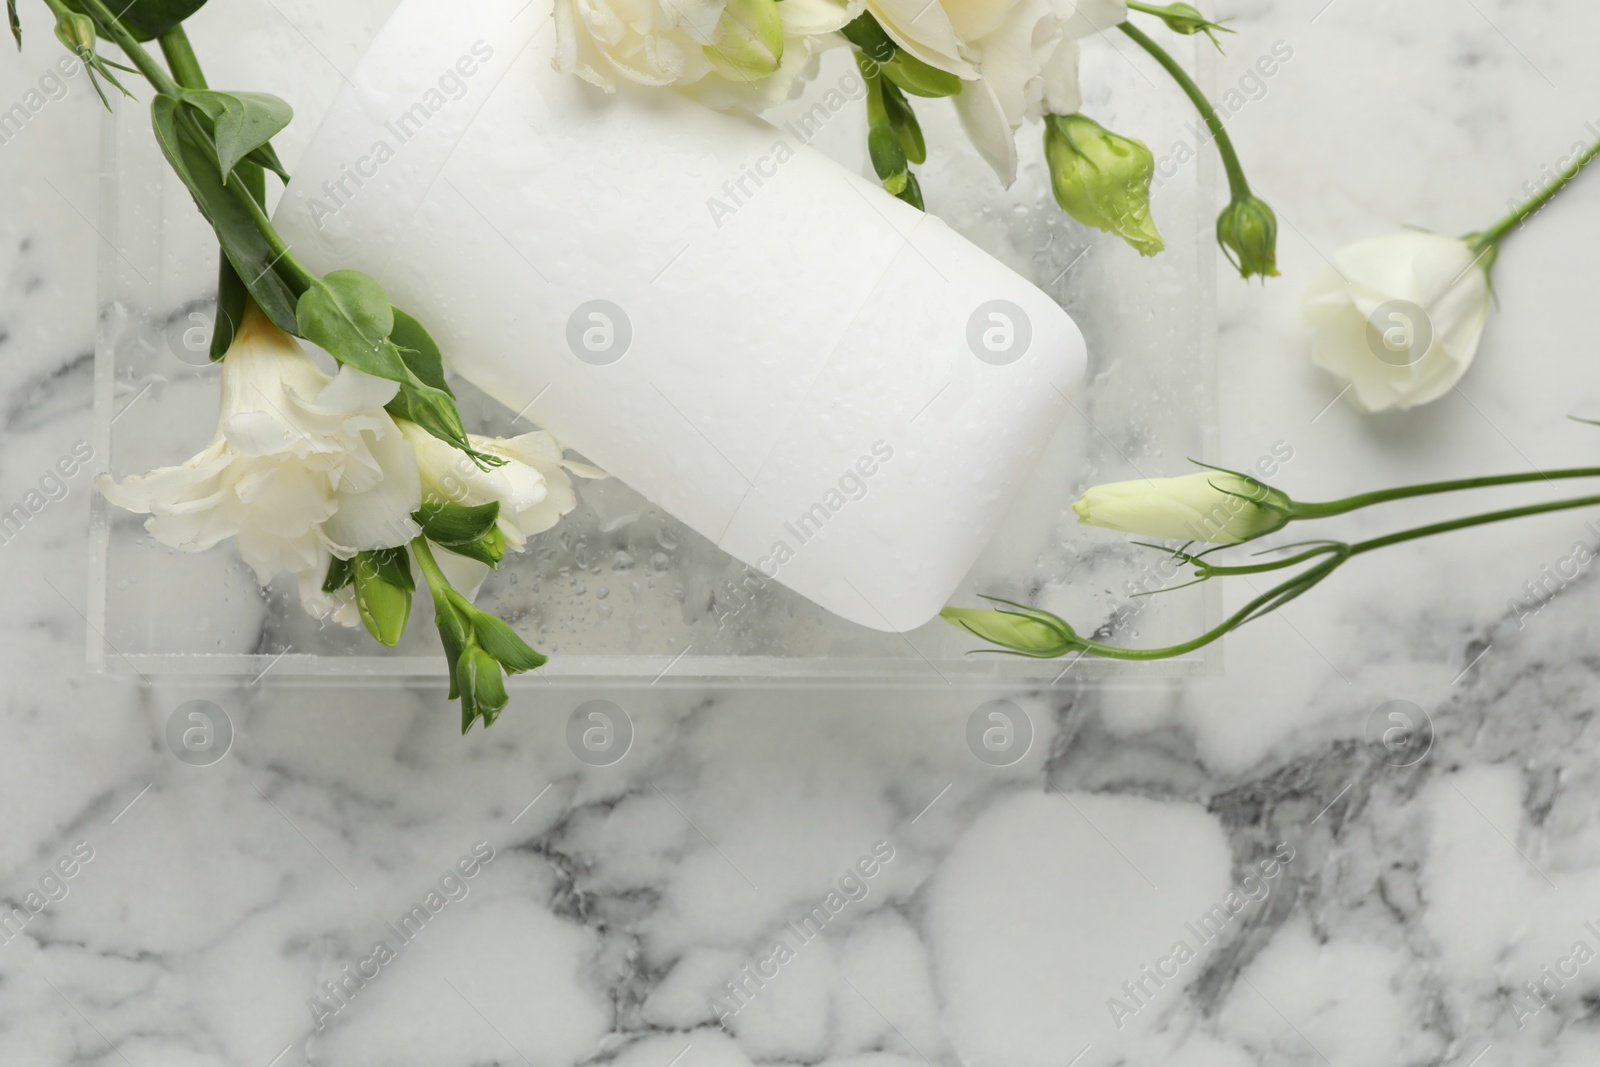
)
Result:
{"points": [[1026, 916]]}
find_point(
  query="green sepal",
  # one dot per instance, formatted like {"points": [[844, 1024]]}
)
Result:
{"points": [[419, 350], [246, 247], [866, 34], [918, 78], [341, 572], [496, 637], [489, 549], [450, 525], [454, 636], [384, 586]]}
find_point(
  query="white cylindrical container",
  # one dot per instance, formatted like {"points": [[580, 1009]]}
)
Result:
{"points": [[833, 387]]}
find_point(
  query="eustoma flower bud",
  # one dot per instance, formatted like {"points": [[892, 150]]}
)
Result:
{"points": [[1247, 229], [1102, 179], [749, 41], [1022, 631], [1218, 507], [1187, 20]]}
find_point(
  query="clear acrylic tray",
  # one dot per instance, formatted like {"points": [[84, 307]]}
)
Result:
{"points": [[620, 592]]}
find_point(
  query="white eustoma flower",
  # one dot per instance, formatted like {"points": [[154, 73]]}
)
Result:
{"points": [[809, 29], [532, 488], [1019, 57], [1213, 506], [1399, 318], [748, 52], [302, 467]]}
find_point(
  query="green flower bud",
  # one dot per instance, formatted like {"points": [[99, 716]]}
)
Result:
{"points": [[383, 593], [1102, 179], [1187, 20], [1247, 229], [749, 41], [888, 158], [1218, 507], [912, 193], [1025, 631], [483, 689], [76, 31]]}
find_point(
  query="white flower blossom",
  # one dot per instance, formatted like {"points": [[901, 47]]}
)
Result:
{"points": [[532, 487], [302, 467], [1399, 318]]}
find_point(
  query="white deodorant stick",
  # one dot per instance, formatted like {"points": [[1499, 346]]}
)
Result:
{"points": [[833, 387]]}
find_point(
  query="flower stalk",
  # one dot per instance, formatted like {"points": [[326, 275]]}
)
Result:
{"points": [[1247, 229], [1032, 632], [1489, 240]]}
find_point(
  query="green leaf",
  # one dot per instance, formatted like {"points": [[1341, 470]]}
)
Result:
{"points": [[16, 24], [449, 525], [266, 156], [244, 244], [502, 642], [232, 296], [422, 357], [242, 123], [149, 19], [341, 572], [383, 592], [348, 314], [919, 79]]}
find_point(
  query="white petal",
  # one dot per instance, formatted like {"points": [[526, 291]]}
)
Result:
{"points": [[922, 28], [804, 18], [350, 392], [985, 123], [379, 517]]}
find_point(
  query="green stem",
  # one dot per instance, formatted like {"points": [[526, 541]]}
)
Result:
{"points": [[1475, 520], [1382, 496], [1273, 598], [112, 27], [1301, 583], [185, 65], [1492, 237], [438, 584], [1237, 185], [180, 57]]}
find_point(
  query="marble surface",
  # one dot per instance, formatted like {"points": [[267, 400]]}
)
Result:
{"points": [[1336, 901]]}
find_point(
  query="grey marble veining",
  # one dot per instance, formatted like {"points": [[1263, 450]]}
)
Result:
{"points": [[1435, 902]]}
